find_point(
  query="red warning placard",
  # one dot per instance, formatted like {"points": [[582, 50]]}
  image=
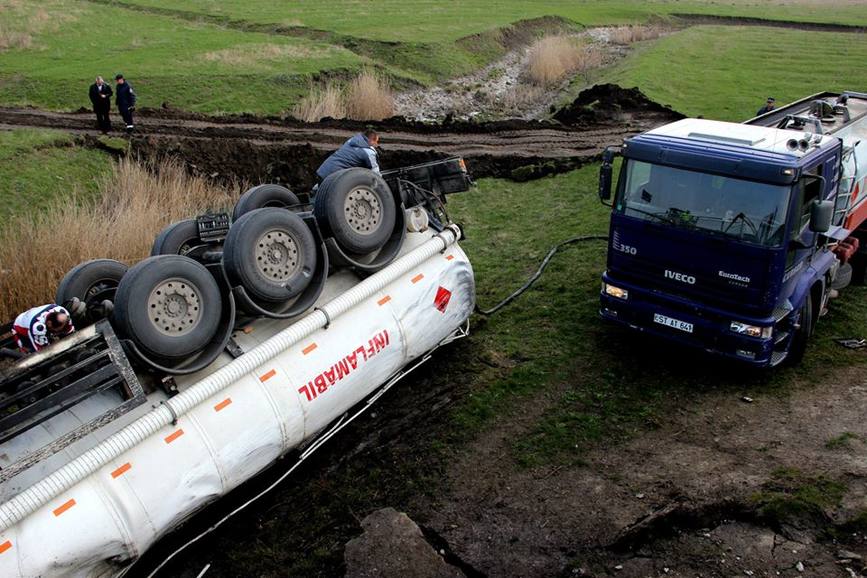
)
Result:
{"points": [[441, 301]]}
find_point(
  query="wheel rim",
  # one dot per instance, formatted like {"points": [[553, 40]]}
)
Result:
{"points": [[175, 307], [363, 211], [277, 255]]}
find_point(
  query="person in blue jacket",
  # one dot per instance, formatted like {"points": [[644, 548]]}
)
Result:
{"points": [[358, 151], [125, 100]]}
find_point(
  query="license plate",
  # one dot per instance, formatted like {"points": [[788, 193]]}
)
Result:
{"points": [[675, 323]]}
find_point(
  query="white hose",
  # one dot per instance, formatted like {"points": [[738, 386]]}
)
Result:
{"points": [[42, 492]]}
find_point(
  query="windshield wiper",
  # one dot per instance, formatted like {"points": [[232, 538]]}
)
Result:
{"points": [[746, 220]]}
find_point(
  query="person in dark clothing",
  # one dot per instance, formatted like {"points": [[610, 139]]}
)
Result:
{"points": [[100, 96], [125, 100], [358, 151], [770, 105]]}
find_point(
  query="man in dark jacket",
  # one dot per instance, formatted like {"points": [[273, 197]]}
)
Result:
{"points": [[770, 105], [100, 96], [125, 100], [358, 151]]}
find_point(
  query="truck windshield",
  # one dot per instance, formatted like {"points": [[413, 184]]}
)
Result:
{"points": [[745, 210]]}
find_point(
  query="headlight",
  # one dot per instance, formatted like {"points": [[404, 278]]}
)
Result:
{"points": [[615, 291], [751, 330]]}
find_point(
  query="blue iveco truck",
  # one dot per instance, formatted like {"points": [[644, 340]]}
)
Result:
{"points": [[733, 237]]}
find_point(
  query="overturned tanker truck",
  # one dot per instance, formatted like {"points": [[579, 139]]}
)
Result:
{"points": [[237, 341]]}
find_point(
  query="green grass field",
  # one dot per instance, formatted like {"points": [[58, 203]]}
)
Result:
{"points": [[38, 167], [726, 73], [430, 21], [190, 65]]}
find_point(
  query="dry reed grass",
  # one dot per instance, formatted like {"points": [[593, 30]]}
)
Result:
{"points": [[551, 58], [136, 202], [629, 34], [14, 39], [20, 22], [368, 96], [320, 102]]}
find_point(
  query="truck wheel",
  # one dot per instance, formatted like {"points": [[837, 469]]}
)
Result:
{"points": [[91, 282], [271, 253], [168, 305], [802, 333], [181, 238], [357, 208], [263, 196]]}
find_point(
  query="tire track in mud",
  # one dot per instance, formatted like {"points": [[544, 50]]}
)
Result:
{"points": [[260, 149]]}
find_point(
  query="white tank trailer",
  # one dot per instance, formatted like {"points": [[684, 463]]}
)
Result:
{"points": [[137, 442]]}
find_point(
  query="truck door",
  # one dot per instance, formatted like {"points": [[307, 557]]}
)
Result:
{"points": [[801, 239]]}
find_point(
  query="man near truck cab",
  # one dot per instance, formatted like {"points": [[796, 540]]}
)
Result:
{"points": [[40, 326], [358, 151], [770, 105]]}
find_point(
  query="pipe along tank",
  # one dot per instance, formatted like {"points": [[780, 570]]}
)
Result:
{"points": [[209, 360]]}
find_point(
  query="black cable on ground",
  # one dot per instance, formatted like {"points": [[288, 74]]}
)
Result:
{"points": [[538, 272]]}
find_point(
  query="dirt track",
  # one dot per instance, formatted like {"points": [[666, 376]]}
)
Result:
{"points": [[272, 149]]}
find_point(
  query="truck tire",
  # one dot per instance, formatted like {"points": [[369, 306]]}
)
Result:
{"points": [[271, 253], [263, 196], [802, 333], [168, 305], [357, 208], [180, 238], [90, 282]]}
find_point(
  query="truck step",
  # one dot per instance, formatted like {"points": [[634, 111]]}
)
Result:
{"points": [[777, 357], [781, 337]]}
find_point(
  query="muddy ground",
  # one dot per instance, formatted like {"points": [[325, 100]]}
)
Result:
{"points": [[287, 151], [730, 482]]}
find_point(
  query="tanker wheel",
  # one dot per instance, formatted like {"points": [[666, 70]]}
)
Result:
{"points": [[263, 196], [271, 253], [357, 207], [169, 306], [180, 238], [91, 282]]}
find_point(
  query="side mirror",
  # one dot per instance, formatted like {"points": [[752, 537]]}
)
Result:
{"points": [[821, 215], [606, 172]]}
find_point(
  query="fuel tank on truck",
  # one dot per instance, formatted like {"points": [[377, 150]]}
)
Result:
{"points": [[94, 507]]}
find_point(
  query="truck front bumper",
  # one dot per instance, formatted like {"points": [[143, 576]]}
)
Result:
{"points": [[686, 322]]}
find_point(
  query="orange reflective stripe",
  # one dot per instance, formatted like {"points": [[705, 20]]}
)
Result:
{"points": [[223, 404], [121, 470], [60, 509], [5, 546], [384, 300], [449, 257], [309, 348], [173, 436], [418, 278], [268, 375]]}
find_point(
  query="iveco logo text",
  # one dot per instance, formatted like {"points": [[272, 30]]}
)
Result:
{"points": [[680, 277], [734, 277]]}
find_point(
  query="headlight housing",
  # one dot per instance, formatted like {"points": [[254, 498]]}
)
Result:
{"points": [[751, 330], [614, 291]]}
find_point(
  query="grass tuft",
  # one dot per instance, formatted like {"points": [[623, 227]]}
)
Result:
{"points": [[134, 204], [631, 34], [792, 495], [369, 97], [551, 58], [320, 102]]}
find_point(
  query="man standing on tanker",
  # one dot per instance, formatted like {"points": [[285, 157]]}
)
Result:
{"points": [[358, 151]]}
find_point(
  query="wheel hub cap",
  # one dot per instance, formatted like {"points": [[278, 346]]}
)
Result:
{"points": [[277, 255], [363, 211], [174, 307]]}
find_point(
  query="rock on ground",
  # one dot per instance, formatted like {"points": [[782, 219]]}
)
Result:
{"points": [[392, 545]]}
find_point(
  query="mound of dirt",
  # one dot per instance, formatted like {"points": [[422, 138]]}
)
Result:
{"points": [[609, 102]]}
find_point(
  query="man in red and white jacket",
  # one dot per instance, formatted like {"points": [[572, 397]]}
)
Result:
{"points": [[38, 327]]}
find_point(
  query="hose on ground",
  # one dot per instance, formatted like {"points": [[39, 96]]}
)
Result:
{"points": [[538, 273]]}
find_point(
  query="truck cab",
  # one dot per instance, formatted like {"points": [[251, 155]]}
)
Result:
{"points": [[727, 236]]}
